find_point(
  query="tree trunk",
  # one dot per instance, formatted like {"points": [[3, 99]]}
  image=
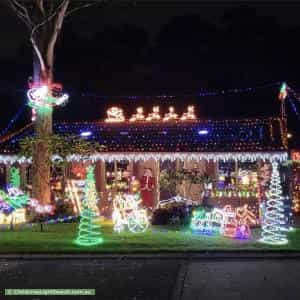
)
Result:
{"points": [[41, 189], [45, 26], [41, 160]]}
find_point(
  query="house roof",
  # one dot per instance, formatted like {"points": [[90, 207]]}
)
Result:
{"points": [[244, 135]]}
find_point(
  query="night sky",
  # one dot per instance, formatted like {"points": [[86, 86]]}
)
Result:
{"points": [[150, 49]]}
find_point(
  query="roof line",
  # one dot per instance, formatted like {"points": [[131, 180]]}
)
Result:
{"points": [[127, 122]]}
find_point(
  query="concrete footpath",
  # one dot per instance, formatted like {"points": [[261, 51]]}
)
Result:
{"points": [[157, 277]]}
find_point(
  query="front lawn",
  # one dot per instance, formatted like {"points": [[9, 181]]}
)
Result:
{"points": [[58, 238]]}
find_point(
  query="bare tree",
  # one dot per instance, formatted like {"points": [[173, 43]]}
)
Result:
{"points": [[44, 20]]}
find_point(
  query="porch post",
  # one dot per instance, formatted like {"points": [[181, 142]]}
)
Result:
{"points": [[23, 176], [185, 166], [100, 176], [157, 167], [7, 169]]}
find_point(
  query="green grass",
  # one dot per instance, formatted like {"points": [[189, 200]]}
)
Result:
{"points": [[59, 238]]}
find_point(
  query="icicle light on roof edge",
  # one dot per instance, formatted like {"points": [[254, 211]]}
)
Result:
{"points": [[161, 156]]}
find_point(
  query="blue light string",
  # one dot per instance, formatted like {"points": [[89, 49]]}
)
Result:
{"points": [[13, 120], [199, 94], [295, 95], [165, 97], [60, 220], [294, 107], [51, 221]]}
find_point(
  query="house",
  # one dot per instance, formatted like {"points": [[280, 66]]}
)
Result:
{"points": [[235, 154]]}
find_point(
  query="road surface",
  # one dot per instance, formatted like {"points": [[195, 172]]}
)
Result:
{"points": [[157, 279]]}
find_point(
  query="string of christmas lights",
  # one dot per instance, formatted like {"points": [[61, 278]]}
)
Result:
{"points": [[201, 93], [294, 107], [174, 136], [292, 92], [47, 222], [60, 220], [13, 120]]}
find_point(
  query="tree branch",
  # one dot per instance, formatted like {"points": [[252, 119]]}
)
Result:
{"points": [[35, 28], [71, 11], [56, 31], [38, 53], [48, 19], [21, 7], [40, 5], [21, 12]]}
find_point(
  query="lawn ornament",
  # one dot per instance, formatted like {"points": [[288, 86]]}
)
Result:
{"points": [[202, 221], [127, 212]]}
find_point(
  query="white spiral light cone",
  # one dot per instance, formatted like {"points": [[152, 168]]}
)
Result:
{"points": [[273, 227]]}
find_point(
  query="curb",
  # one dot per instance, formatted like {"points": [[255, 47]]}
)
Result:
{"points": [[181, 256]]}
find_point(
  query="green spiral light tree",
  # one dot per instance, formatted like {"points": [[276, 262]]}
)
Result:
{"points": [[89, 233]]}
